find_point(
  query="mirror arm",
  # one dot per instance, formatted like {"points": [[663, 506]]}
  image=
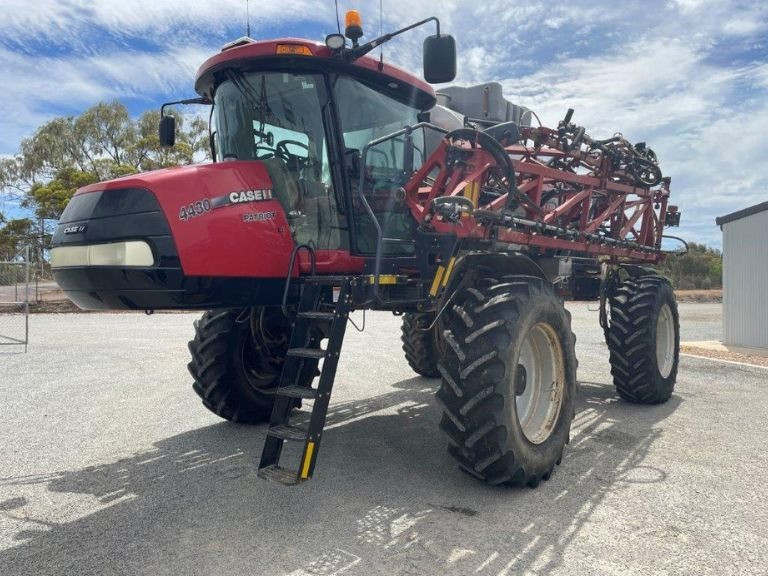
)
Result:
{"points": [[355, 53]]}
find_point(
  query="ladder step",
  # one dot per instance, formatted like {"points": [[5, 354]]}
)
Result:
{"points": [[298, 392], [318, 305], [287, 432], [317, 315], [306, 352], [281, 475]]}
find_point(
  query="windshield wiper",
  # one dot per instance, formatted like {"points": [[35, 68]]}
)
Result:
{"points": [[258, 102]]}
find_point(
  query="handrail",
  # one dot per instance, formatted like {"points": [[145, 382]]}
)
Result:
{"points": [[288, 278]]}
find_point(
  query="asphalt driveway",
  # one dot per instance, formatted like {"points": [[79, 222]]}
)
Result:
{"points": [[111, 466]]}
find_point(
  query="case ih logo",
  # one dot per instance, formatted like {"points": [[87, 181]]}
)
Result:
{"points": [[75, 229], [250, 196], [242, 197]]}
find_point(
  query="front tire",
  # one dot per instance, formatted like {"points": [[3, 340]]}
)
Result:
{"points": [[509, 380], [419, 344], [644, 339], [237, 359]]}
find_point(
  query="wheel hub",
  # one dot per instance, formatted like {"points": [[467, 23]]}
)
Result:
{"points": [[665, 341], [262, 352], [521, 380], [539, 383]]}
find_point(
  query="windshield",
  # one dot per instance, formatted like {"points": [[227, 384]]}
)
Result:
{"points": [[366, 115], [256, 112], [276, 118]]}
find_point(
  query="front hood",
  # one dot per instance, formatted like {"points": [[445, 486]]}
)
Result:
{"points": [[218, 216], [161, 179], [196, 236]]}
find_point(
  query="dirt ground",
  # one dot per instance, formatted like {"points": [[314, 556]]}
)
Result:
{"points": [[719, 354], [699, 295]]}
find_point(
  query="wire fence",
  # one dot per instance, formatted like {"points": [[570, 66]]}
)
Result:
{"points": [[15, 294]]}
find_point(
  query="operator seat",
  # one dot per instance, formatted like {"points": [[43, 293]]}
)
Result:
{"points": [[322, 220], [284, 183]]}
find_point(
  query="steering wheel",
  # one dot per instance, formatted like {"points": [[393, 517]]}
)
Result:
{"points": [[295, 162], [281, 150], [270, 152]]}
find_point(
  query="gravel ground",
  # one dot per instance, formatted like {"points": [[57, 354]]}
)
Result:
{"points": [[720, 353], [700, 321], [110, 466]]}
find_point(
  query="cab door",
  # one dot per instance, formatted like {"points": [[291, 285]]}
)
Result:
{"points": [[376, 177]]}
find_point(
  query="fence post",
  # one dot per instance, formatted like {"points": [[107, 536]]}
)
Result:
{"points": [[26, 298], [12, 274]]}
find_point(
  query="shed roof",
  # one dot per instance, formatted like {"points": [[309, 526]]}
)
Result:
{"points": [[739, 214]]}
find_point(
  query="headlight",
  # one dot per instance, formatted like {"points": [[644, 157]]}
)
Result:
{"points": [[133, 253]]}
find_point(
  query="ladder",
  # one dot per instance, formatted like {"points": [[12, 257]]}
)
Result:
{"points": [[316, 310]]}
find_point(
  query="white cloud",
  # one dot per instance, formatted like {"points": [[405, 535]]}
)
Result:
{"points": [[708, 131], [689, 76], [69, 23], [69, 85]]}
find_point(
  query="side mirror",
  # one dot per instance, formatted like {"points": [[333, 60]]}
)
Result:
{"points": [[439, 59], [167, 131]]}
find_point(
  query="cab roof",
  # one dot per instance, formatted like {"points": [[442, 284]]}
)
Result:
{"points": [[249, 54]]}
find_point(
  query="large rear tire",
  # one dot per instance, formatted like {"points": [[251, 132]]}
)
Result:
{"points": [[644, 339], [237, 359], [509, 380], [420, 345]]}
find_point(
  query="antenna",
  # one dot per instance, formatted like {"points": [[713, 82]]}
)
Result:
{"points": [[338, 22], [247, 20], [381, 33]]}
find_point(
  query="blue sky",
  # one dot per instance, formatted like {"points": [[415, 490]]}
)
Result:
{"points": [[690, 77]]}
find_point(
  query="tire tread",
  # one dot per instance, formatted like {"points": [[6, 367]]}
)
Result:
{"points": [[630, 340], [477, 331]]}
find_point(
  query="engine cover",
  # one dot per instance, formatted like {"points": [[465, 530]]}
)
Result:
{"points": [[200, 236]]}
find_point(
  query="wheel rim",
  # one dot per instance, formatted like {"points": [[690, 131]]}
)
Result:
{"points": [[665, 341], [258, 373], [261, 351], [539, 383]]}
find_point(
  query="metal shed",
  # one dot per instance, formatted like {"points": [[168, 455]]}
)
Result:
{"points": [[745, 277]]}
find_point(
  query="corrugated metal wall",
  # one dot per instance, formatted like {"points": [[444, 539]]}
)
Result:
{"points": [[745, 281]]}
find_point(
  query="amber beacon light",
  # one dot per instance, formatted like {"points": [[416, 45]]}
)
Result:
{"points": [[353, 23]]}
